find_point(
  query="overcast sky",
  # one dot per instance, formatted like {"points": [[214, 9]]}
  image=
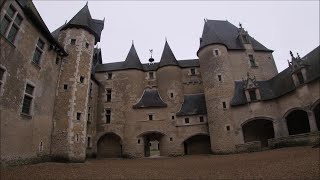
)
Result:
{"points": [[280, 26]]}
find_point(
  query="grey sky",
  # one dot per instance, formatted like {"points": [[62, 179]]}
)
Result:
{"points": [[281, 26]]}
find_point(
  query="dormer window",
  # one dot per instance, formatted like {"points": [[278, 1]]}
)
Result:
{"points": [[245, 39], [252, 61], [298, 69], [151, 75], [300, 77], [253, 95]]}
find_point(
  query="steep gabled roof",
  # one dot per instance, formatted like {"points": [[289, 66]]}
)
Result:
{"points": [[167, 57], [132, 61], [150, 99], [84, 20], [282, 83], [223, 32], [193, 104]]}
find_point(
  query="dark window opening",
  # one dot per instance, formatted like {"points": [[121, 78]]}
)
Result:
{"points": [[138, 141], [216, 52], [89, 117], [245, 39], [73, 41], [171, 95], [89, 142], [171, 139], [65, 86], [172, 117], [87, 45], [228, 128], [252, 94], [81, 79], [27, 100], [186, 120], [298, 122], [224, 105], [201, 119], [151, 75], [108, 116], [108, 95], [110, 75], [1, 77], [193, 71], [78, 116], [219, 78], [252, 61], [57, 60], [300, 78], [150, 117]]}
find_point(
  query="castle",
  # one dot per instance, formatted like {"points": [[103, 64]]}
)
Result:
{"points": [[59, 101]]}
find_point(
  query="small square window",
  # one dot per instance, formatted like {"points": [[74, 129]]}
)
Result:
{"points": [[172, 117], [108, 116], [138, 141], [171, 139], [151, 75], [150, 117], [109, 75], [65, 86], [186, 120], [216, 52], [201, 119], [224, 105], [193, 71], [81, 79], [228, 128], [219, 78], [252, 94], [73, 41], [87, 45], [78, 116], [171, 95], [108, 95]]}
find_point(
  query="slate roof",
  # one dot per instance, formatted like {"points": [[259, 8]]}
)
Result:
{"points": [[167, 57], [150, 99], [132, 61], [223, 32], [30, 10], [282, 83], [194, 104], [84, 20]]}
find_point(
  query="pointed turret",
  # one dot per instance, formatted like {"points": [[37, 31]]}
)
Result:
{"points": [[84, 20], [132, 61], [167, 57]]}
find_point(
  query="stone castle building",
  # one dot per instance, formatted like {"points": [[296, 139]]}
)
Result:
{"points": [[59, 101]]}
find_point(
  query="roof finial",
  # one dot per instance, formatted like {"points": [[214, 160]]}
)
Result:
{"points": [[104, 19], [132, 42], [291, 54], [87, 3], [151, 59], [240, 25], [166, 38], [65, 22], [298, 55]]}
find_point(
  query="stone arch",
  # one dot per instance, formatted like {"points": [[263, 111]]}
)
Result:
{"points": [[297, 121], [198, 143], [258, 129], [315, 108], [109, 145], [149, 139]]}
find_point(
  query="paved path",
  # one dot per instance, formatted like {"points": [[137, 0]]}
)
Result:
{"points": [[286, 163]]}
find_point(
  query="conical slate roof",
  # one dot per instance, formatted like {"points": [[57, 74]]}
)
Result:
{"points": [[132, 61], [168, 57], [223, 32], [84, 20]]}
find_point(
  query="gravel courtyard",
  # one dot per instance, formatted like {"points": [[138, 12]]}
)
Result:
{"points": [[286, 163]]}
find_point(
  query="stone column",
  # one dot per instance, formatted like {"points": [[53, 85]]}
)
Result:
{"points": [[312, 121], [280, 128]]}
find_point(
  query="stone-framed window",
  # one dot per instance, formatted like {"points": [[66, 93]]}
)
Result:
{"points": [[219, 77], [10, 24], [108, 93], [87, 45], [192, 71], [79, 116], [73, 41], [108, 116], [228, 128], [251, 89], [186, 120], [252, 95], [252, 61], [57, 60], [2, 78], [150, 117], [40, 146], [224, 105], [245, 39], [38, 52], [151, 75], [81, 79], [172, 117], [300, 77], [109, 75], [77, 137], [216, 52], [201, 119], [65, 87], [28, 99]]}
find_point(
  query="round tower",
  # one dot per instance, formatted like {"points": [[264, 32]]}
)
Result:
{"points": [[78, 37]]}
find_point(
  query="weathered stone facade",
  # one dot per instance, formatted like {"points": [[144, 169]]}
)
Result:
{"points": [[68, 105]]}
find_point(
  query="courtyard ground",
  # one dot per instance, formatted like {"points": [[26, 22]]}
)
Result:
{"points": [[286, 163]]}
